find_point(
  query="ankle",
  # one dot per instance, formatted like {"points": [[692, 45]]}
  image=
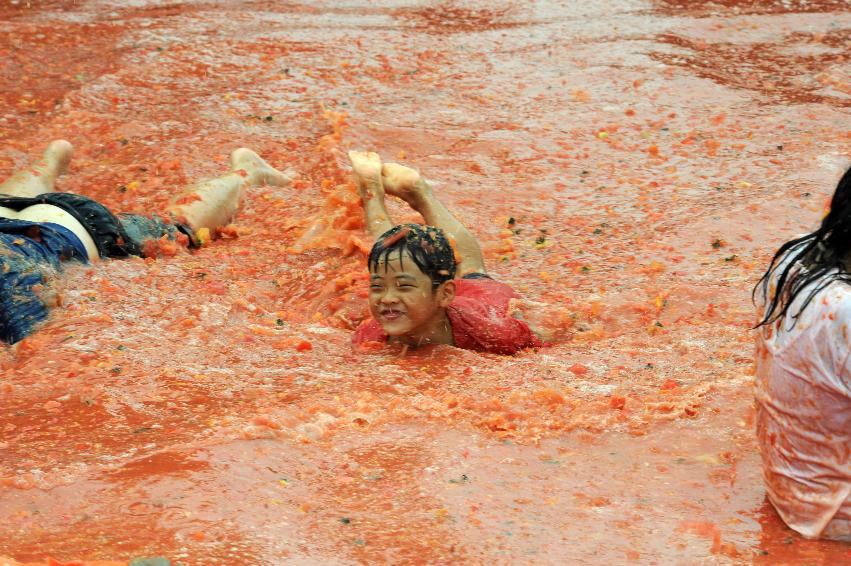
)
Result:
{"points": [[370, 189], [245, 174]]}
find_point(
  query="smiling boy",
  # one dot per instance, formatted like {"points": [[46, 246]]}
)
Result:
{"points": [[414, 296]]}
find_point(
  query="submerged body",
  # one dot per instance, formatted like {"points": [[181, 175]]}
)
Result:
{"points": [[478, 318]]}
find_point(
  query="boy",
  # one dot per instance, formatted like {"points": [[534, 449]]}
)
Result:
{"points": [[40, 228], [414, 296]]}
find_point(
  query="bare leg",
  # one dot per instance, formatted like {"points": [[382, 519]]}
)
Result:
{"points": [[407, 184], [367, 169], [40, 177], [213, 204]]}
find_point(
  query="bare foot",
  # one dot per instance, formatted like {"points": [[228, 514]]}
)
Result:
{"points": [[259, 172], [367, 169], [40, 176], [56, 157], [402, 182]]}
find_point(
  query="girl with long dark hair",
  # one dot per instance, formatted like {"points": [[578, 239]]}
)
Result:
{"points": [[803, 379]]}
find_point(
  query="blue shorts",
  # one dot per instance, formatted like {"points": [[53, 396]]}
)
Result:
{"points": [[114, 236], [29, 253]]}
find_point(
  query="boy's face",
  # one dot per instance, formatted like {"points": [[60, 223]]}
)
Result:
{"points": [[403, 302]]}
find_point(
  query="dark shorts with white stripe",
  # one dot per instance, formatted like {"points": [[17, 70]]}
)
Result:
{"points": [[31, 253]]}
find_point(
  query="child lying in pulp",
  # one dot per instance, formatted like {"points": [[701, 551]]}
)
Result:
{"points": [[414, 296], [41, 229]]}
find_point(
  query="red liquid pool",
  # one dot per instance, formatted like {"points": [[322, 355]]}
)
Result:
{"points": [[208, 407]]}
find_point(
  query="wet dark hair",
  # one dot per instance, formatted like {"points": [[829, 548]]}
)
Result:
{"points": [[427, 246], [819, 256]]}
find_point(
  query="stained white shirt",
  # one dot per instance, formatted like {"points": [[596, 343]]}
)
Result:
{"points": [[803, 394]]}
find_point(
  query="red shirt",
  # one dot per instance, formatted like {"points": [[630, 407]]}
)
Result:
{"points": [[479, 319]]}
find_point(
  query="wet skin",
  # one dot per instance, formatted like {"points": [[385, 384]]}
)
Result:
{"points": [[406, 304]]}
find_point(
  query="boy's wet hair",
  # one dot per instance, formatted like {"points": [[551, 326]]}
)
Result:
{"points": [[427, 246]]}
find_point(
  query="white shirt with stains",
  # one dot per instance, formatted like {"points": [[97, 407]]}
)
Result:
{"points": [[803, 395]]}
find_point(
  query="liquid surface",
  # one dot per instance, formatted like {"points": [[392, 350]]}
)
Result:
{"points": [[633, 164]]}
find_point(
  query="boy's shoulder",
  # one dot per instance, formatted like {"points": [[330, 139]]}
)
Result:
{"points": [[481, 321], [484, 289]]}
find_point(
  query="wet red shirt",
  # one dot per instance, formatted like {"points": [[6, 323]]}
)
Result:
{"points": [[479, 318]]}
